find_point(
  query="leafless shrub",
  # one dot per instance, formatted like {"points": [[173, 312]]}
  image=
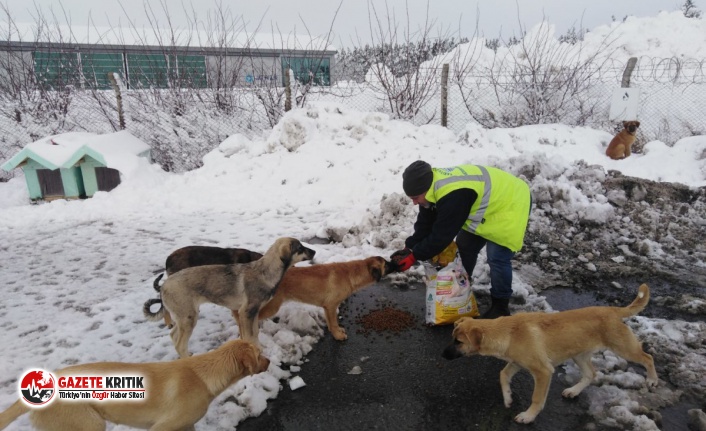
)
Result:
{"points": [[22, 94], [406, 85], [270, 91], [689, 9], [533, 80]]}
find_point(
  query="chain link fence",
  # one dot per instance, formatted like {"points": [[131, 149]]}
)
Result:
{"points": [[670, 105], [183, 125]]}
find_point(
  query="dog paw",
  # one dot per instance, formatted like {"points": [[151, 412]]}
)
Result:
{"points": [[652, 383], [525, 418], [570, 393], [340, 334]]}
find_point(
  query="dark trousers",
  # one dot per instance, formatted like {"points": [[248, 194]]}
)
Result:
{"points": [[499, 257]]}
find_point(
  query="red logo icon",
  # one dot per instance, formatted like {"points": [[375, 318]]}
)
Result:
{"points": [[37, 387]]}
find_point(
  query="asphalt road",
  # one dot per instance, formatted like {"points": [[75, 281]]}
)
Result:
{"points": [[404, 382]]}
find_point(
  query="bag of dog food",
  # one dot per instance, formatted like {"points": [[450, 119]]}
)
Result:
{"points": [[449, 295]]}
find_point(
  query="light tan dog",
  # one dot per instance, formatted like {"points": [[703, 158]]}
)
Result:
{"points": [[620, 146], [538, 342], [199, 255], [177, 393], [327, 285], [241, 287]]}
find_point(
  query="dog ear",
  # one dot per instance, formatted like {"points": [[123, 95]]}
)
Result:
{"points": [[458, 329], [471, 337], [376, 273], [476, 337], [250, 360]]}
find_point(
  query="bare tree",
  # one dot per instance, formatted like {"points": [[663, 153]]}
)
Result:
{"points": [[463, 65], [537, 80], [690, 10], [406, 84], [306, 53], [265, 79], [17, 80], [224, 31], [31, 88]]}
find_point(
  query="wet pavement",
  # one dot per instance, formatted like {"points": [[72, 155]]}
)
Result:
{"points": [[405, 384]]}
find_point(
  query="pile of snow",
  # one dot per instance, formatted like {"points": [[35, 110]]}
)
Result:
{"points": [[324, 171]]}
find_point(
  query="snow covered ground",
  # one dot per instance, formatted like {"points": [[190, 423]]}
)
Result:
{"points": [[75, 274]]}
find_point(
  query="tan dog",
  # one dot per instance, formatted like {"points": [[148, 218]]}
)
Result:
{"points": [[620, 146], [242, 287], [199, 255], [177, 393], [326, 286], [538, 342]]}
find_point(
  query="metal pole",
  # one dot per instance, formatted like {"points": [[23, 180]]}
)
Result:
{"points": [[627, 73], [444, 94], [287, 92], [119, 100]]}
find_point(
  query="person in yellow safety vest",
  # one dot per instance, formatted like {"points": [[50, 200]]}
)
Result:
{"points": [[480, 206]]}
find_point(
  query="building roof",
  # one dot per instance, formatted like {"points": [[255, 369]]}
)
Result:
{"points": [[114, 150], [150, 37]]}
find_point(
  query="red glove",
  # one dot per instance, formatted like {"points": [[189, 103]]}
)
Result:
{"points": [[406, 262], [403, 259]]}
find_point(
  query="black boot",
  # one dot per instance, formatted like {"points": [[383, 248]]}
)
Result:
{"points": [[499, 307]]}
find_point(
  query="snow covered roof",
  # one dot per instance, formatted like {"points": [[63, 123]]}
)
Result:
{"points": [[192, 38], [114, 150]]}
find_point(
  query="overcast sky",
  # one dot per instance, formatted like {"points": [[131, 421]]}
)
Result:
{"points": [[451, 17]]}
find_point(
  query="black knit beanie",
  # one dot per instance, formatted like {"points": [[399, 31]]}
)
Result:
{"points": [[417, 178]]}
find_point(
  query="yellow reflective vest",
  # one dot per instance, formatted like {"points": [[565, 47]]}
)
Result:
{"points": [[501, 211]]}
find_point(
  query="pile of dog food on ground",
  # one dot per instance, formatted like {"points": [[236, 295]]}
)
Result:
{"points": [[386, 319]]}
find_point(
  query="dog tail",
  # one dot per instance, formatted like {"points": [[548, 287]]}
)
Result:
{"points": [[148, 312], [156, 285], [639, 304], [13, 412]]}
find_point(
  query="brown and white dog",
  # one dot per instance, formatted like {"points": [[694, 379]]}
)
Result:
{"points": [[327, 286], [538, 342], [241, 287], [199, 255], [620, 146], [177, 393]]}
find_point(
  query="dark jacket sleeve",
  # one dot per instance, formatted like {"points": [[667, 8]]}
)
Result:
{"points": [[437, 226]]}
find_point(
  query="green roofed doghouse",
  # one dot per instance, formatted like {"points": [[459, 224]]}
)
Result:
{"points": [[76, 165]]}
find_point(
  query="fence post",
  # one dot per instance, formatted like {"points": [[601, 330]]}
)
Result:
{"points": [[444, 94], [119, 100], [287, 92], [627, 73]]}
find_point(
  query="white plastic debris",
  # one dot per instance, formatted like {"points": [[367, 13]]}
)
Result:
{"points": [[296, 382]]}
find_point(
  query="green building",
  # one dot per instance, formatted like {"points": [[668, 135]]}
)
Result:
{"points": [[147, 58]]}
